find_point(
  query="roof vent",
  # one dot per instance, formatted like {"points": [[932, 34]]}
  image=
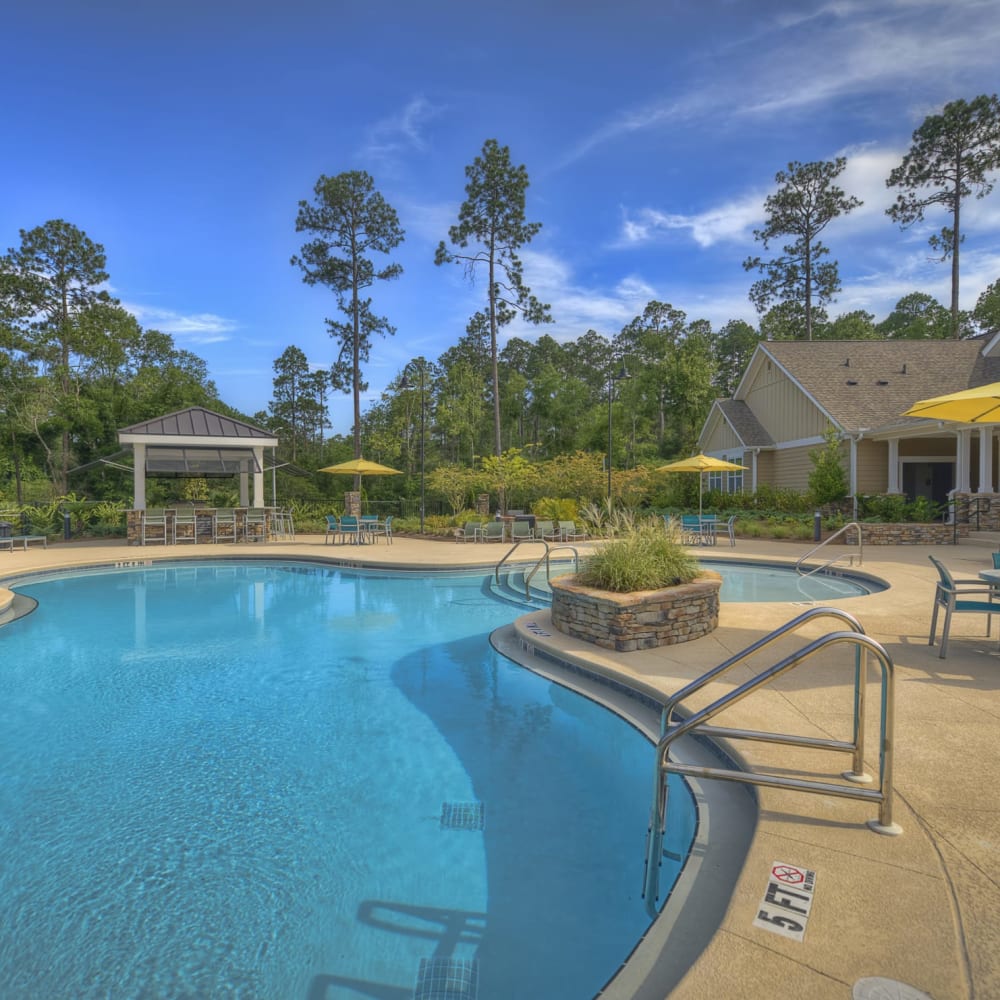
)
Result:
{"points": [[847, 363], [903, 369], [852, 381], [882, 381]]}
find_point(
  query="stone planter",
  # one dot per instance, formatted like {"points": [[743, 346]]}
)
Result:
{"points": [[644, 619]]}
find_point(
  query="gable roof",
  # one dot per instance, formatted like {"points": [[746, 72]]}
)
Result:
{"points": [[866, 384], [196, 422], [743, 421]]}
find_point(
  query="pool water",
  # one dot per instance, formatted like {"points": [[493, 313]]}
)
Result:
{"points": [[265, 780], [751, 582]]}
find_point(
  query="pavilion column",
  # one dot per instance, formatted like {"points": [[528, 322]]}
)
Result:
{"points": [[258, 476], [985, 460], [894, 466], [139, 477]]}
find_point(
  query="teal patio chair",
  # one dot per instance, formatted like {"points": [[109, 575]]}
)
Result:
{"points": [[959, 597]]}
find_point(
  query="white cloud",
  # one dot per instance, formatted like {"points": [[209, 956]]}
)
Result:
{"points": [[196, 328], [731, 220], [400, 132]]}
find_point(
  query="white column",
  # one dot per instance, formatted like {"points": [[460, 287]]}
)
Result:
{"points": [[894, 466], [854, 467], [962, 479], [258, 478], [139, 477], [985, 460]]}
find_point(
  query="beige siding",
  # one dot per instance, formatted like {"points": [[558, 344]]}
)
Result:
{"points": [[873, 466], [792, 468], [782, 408], [721, 438], [928, 447], [765, 470]]}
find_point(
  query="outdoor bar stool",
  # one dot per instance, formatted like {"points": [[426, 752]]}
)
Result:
{"points": [[159, 519], [225, 524]]}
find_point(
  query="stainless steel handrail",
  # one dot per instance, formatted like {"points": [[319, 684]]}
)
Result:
{"points": [[826, 541], [510, 552], [549, 549], [882, 794], [666, 716]]}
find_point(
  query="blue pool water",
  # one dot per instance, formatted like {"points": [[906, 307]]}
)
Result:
{"points": [[265, 780], [751, 582]]}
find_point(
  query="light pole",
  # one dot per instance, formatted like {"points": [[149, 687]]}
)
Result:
{"points": [[612, 378], [405, 383]]}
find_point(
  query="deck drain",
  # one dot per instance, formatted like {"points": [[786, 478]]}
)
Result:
{"points": [[463, 816], [447, 979]]}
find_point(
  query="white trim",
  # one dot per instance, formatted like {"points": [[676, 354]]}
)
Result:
{"points": [[195, 441], [798, 443]]}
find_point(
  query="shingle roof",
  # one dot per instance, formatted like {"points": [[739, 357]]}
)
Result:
{"points": [[746, 425], [866, 384], [196, 421]]}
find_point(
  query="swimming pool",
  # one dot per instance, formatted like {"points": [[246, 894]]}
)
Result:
{"points": [[273, 780]]}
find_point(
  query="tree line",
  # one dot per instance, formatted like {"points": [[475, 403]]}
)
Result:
{"points": [[75, 365]]}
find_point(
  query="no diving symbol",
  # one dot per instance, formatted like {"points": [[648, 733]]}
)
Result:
{"points": [[788, 874]]}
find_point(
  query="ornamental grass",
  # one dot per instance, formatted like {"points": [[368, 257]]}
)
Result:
{"points": [[647, 558]]}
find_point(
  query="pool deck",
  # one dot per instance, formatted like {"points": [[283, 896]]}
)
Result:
{"points": [[921, 909]]}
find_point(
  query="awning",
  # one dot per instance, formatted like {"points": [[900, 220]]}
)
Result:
{"points": [[205, 463]]}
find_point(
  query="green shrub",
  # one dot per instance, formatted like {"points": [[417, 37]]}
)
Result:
{"points": [[644, 559]]}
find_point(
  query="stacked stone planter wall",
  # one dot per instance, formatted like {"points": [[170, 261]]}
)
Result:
{"points": [[642, 620], [906, 533]]}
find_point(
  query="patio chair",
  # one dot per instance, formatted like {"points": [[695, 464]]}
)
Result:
{"points": [[493, 531], [569, 533], [469, 532], [521, 531], [690, 529], [547, 531], [959, 596], [350, 530], [387, 528], [731, 529], [370, 527], [332, 528]]}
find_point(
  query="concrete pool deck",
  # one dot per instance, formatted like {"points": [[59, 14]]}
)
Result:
{"points": [[922, 909]]}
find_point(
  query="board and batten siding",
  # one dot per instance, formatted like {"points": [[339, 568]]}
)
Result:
{"points": [[722, 438], [782, 408]]}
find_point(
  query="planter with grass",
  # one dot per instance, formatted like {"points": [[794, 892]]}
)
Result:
{"points": [[638, 592]]}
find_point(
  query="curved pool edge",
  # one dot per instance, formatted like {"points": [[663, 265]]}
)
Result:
{"points": [[726, 820]]}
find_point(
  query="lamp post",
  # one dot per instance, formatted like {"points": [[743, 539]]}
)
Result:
{"points": [[405, 383], [612, 378]]}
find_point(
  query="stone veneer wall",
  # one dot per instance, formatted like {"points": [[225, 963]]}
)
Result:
{"points": [[906, 533], [642, 620]]}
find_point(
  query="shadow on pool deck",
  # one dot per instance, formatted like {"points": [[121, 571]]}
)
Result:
{"points": [[923, 908]]}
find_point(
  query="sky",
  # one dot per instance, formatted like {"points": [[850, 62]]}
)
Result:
{"points": [[182, 136]]}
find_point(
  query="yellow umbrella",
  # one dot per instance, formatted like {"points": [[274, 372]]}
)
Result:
{"points": [[700, 464], [361, 467], [970, 406]]}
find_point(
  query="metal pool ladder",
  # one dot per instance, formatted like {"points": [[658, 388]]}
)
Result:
{"points": [[826, 541], [545, 559], [671, 730]]}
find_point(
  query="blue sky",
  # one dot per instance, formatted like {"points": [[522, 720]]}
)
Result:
{"points": [[182, 136]]}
